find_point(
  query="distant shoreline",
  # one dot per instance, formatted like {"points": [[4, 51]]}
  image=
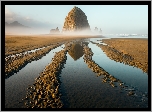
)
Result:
{"points": [[77, 35], [125, 38], [21, 43]]}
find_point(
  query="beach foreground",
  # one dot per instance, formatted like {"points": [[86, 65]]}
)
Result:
{"points": [[56, 71], [137, 48]]}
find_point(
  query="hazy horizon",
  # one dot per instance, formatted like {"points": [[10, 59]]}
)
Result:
{"points": [[112, 19]]}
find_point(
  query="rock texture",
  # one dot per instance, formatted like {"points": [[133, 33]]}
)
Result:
{"points": [[76, 21]]}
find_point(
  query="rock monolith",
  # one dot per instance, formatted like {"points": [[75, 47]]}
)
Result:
{"points": [[76, 20]]}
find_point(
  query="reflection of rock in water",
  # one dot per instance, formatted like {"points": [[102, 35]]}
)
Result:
{"points": [[76, 51]]}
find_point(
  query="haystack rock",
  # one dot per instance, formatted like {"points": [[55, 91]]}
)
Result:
{"points": [[76, 21]]}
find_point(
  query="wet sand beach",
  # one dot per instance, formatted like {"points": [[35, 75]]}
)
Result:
{"points": [[21, 43], [137, 48]]}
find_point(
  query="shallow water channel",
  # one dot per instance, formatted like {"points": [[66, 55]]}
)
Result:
{"points": [[80, 86]]}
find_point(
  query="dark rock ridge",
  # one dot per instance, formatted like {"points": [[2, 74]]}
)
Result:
{"points": [[76, 21], [15, 24]]}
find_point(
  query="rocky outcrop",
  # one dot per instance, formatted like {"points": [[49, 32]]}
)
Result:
{"points": [[96, 30], [55, 30], [76, 21]]}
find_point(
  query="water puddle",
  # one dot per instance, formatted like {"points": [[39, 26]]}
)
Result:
{"points": [[81, 88], [15, 86], [128, 74]]}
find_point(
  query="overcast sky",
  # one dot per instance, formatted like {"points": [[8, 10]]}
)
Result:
{"points": [[112, 19]]}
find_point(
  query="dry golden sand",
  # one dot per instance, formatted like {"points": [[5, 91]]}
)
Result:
{"points": [[21, 43], [137, 48]]}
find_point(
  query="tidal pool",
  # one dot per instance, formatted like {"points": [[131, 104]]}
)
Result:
{"points": [[83, 89], [80, 87], [16, 85]]}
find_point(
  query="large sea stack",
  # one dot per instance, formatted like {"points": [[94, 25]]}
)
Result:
{"points": [[76, 21]]}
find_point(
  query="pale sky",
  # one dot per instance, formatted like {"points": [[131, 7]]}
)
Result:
{"points": [[112, 19]]}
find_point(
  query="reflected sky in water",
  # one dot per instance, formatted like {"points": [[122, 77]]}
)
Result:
{"points": [[128, 74], [76, 51], [15, 86]]}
